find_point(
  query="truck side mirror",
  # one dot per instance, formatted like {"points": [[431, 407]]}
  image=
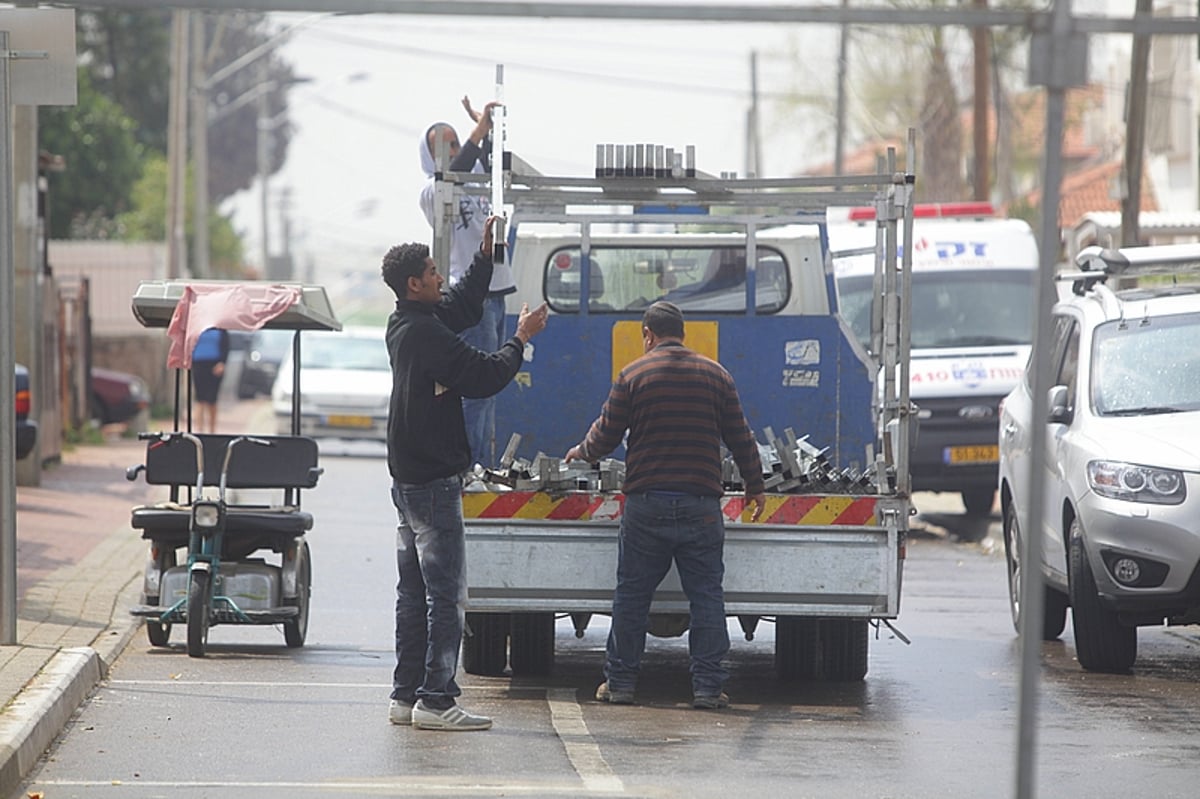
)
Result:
{"points": [[1060, 411]]}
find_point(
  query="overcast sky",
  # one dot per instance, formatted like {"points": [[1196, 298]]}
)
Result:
{"points": [[378, 81]]}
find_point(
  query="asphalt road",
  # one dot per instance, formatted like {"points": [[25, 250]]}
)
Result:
{"points": [[934, 718]]}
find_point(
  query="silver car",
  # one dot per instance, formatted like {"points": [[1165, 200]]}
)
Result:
{"points": [[1120, 531], [345, 386]]}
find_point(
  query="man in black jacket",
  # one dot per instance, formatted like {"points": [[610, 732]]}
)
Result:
{"points": [[432, 370]]}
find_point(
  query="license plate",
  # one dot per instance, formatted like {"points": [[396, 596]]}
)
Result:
{"points": [[980, 453], [341, 420]]}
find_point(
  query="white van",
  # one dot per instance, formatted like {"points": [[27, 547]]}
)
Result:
{"points": [[974, 287]]}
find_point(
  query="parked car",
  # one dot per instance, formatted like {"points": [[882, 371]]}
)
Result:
{"points": [[345, 386], [1120, 528], [26, 429], [264, 351], [117, 396]]}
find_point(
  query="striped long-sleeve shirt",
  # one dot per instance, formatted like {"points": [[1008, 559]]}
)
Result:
{"points": [[678, 407]]}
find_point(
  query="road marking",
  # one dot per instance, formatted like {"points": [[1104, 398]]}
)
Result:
{"points": [[276, 684], [567, 717], [408, 786]]}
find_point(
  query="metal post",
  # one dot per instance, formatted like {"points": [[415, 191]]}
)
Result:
{"points": [[1058, 59], [8, 459]]}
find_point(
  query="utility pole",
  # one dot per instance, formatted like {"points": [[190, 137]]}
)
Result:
{"points": [[979, 36], [199, 123], [753, 137], [1135, 130], [264, 165], [177, 148], [839, 135]]}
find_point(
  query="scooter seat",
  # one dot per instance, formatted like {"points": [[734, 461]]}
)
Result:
{"points": [[171, 520]]}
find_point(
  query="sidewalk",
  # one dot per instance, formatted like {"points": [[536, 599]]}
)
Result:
{"points": [[79, 569]]}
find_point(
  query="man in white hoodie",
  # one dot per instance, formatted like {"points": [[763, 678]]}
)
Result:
{"points": [[466, 238]]}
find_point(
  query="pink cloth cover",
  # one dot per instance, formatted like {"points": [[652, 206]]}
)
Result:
{"points": [[232, 307]]}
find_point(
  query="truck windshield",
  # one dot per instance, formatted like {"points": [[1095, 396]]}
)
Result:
{"points": [[953, 309], [705, 279]]}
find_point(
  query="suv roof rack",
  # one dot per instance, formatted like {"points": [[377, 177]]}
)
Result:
{"points": [[1096, 263]]}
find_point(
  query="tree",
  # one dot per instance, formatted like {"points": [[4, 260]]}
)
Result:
{"points": [[124, 67], [941, 177], [98, 142], [233, 135], [146, 221]]}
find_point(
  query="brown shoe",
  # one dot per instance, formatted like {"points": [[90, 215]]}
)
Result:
{"points": [[605, 694], [711, 702]]}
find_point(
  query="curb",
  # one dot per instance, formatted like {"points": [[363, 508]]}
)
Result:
{"points": [[36, 717]]}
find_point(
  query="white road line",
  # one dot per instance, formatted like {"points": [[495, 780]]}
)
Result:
{"points": [[584, 754], [408, 786], [276, 684]]}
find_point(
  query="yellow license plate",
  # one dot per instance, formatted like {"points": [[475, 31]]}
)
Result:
{"points": [[981, 453], [348, 421]]}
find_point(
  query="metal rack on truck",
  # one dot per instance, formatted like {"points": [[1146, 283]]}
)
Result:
{"points": [[747, 259]]}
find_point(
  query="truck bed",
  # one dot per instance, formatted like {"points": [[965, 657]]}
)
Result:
{"points": [[814, 556]]}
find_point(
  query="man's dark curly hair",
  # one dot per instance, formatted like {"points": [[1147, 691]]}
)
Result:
{"points": [[402, 262]]}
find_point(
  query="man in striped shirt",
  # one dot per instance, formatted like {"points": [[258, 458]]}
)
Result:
{"points": [[678, 407]]}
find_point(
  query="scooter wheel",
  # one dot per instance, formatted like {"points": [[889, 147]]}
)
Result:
{"points": [[199, 606]]}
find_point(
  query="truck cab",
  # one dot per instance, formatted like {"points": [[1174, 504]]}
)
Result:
{"points": [[974, 283]]}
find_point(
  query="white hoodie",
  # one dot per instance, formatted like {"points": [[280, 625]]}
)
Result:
{"points": [[467, 233]]}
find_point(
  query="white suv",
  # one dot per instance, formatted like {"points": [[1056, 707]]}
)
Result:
{"points": [[1120, 530]]}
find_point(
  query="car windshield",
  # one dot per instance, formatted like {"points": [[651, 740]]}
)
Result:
{"points": [[272, 344], [977, 308], [345, 352], [1146, 366]]}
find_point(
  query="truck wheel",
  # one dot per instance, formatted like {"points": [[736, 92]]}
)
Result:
{"points": [[198, 606], [1102, 643], [796, 647], [485, 644], [979, 501], [531, 649], [295, 629], [844, 644], [1054, 603]]}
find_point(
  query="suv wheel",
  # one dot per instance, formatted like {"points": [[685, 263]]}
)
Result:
{"points": [[1102, 643], [1054, 604]]}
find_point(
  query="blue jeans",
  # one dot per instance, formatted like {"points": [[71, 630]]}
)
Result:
{"points": [[480, 414], [431, 593], [656, 530]]}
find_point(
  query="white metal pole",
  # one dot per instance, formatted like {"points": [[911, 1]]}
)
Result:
{"points": [[499, 144]]}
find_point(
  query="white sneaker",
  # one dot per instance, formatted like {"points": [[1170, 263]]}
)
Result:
{"points": [[452, 719], [400, 713]]}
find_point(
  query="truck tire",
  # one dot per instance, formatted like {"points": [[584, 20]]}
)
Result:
{"points": [[531, 648], [485, 644], [1102, 643], [796, 647], [979, 501], [1054, 603], [844, 644]]}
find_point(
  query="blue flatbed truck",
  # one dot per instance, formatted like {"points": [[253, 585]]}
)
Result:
{"points": [[825, 563]]}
